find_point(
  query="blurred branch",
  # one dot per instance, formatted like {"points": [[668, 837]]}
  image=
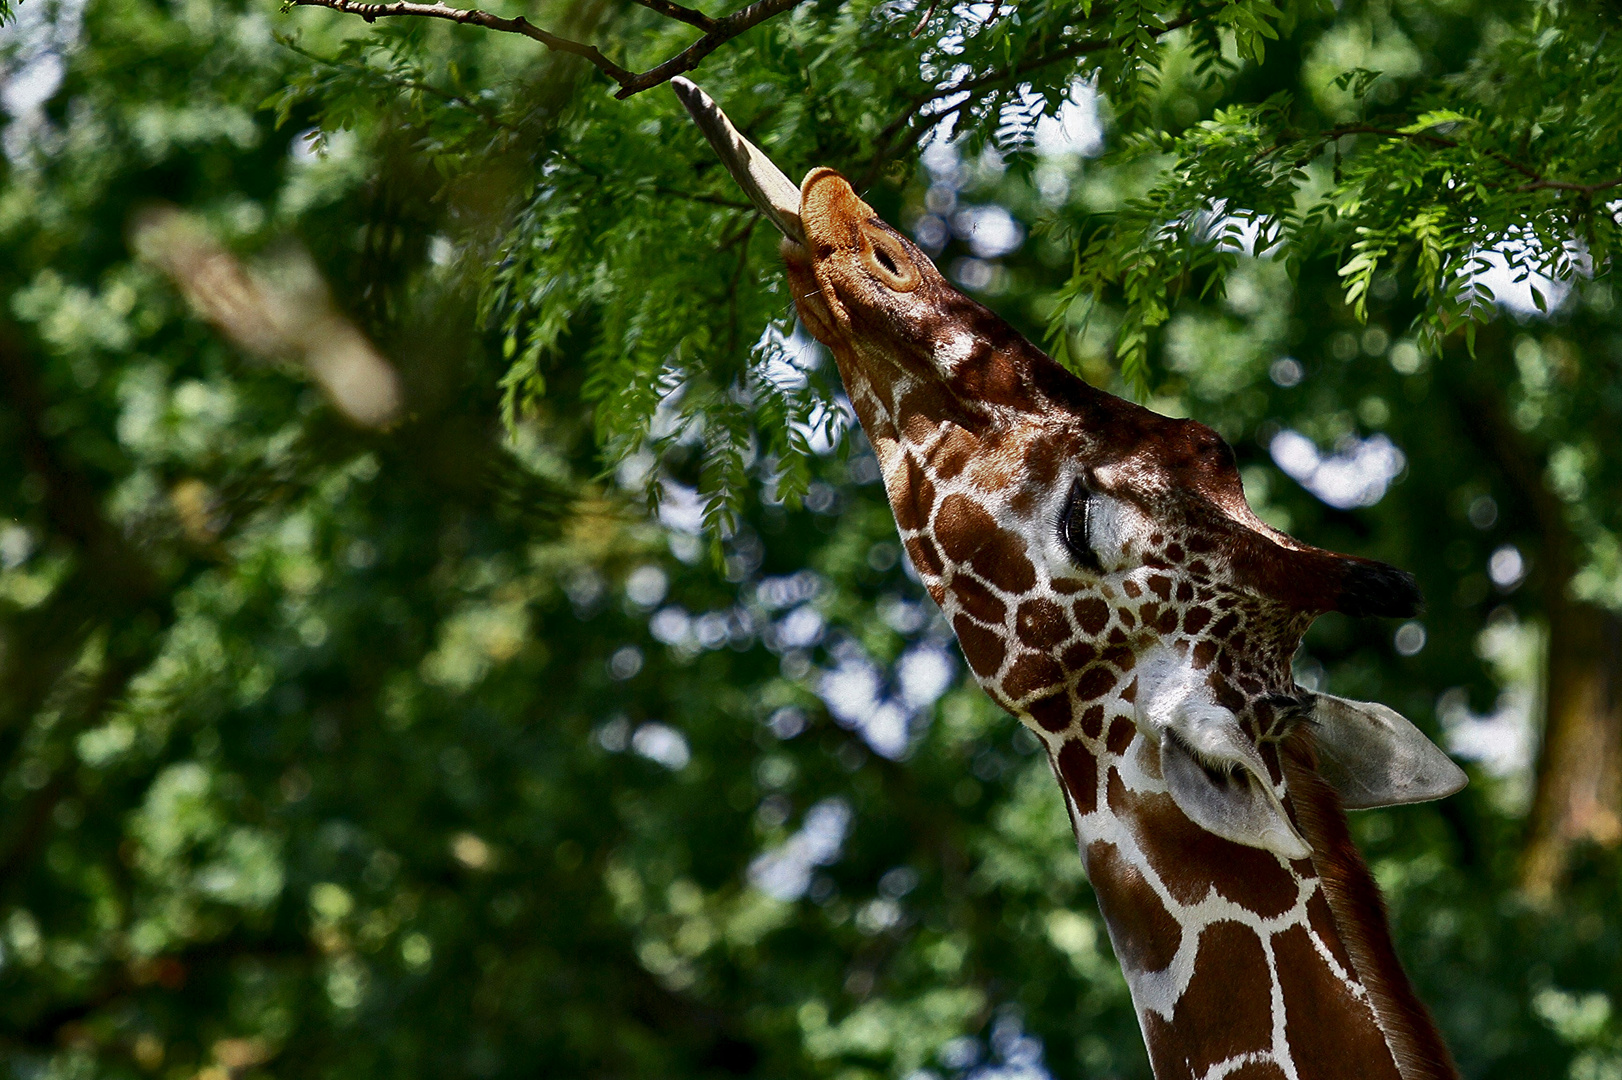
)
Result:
{"points": [[286, 314], [718, 32]]}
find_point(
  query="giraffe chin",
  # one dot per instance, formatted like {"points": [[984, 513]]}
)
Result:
{"points": [[1236, 805], [1212, 768]]}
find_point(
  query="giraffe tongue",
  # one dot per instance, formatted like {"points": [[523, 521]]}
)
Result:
{"points": [[774, 194]]}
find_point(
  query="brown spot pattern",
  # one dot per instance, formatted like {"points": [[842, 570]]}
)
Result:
{"points": [[1092, 615], [1194, 620], [1143, 932], [1079, 654], [1257, 1070], [914, 498], [1053, 713], [977, 600], [962, 526], [952, 452], [1041, 623], [1094, 683], [981, 647], [1322, 922], [1311, 993], [1228, 1023], [921, 550], [1001, 560], [1250, 877], [1031, 672], [1078, 770]]}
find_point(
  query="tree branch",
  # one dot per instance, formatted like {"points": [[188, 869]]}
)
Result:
{"points": [[679, 13], [718, 32], [888, 147], [1535, 181], [474, 17]]}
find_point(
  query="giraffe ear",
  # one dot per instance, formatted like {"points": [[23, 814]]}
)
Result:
{"points": [[1217, 777], [1373, 756]]}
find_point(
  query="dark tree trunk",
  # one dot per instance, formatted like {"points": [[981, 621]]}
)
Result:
{"points": [[1578, 792]]}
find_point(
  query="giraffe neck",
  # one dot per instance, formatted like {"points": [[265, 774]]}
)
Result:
{"points": [[1241, 965]]}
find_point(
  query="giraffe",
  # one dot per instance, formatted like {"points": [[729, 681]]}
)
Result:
{"points": [[1111, 588]]}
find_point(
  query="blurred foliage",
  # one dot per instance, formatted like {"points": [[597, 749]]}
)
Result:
{"points": [[430, 751]]}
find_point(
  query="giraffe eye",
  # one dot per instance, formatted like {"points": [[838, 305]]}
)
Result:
{"points": [[1074, 528]]}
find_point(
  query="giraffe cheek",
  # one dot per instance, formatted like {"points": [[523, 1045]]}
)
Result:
{"points": [[1041, 624], [962, 527], [1032, 673]]}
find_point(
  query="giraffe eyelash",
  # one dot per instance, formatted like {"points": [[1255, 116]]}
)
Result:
{"points": [[1081, 550]]}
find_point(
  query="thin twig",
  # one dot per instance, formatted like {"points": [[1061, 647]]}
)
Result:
{"points": [[679, 13], [725, 30], [1569, 185], [719, 32], [474, 17], [929, 13]]}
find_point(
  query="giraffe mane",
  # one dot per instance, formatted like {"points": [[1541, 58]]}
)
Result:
{"points": [[1360, 916]]}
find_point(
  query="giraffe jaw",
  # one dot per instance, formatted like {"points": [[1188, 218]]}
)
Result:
{"points": [[773, 193], [1213, 770]]}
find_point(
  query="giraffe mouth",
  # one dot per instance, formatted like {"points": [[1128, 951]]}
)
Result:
{"points": [[772, 192]]}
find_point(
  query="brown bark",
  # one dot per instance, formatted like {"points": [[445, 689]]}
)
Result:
{"points": [[1579, 784]]}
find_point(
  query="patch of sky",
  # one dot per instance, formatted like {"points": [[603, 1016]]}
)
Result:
{"points": [[777, 593], [1074, 128], [990, 231], [1513, 269], [662, 744], [854, 693], [1237, 230], [681, 508], [886, 717], [784, 872], [784, 360], [1016, 1055], [1357, 473], [1503, 741], [33, 63], [646, 586]]}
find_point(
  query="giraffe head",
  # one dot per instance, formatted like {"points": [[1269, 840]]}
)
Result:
{"points": [[1096, 560]]}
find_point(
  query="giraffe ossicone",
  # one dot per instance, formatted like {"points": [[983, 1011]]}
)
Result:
{"points": [[1110, 587]]}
